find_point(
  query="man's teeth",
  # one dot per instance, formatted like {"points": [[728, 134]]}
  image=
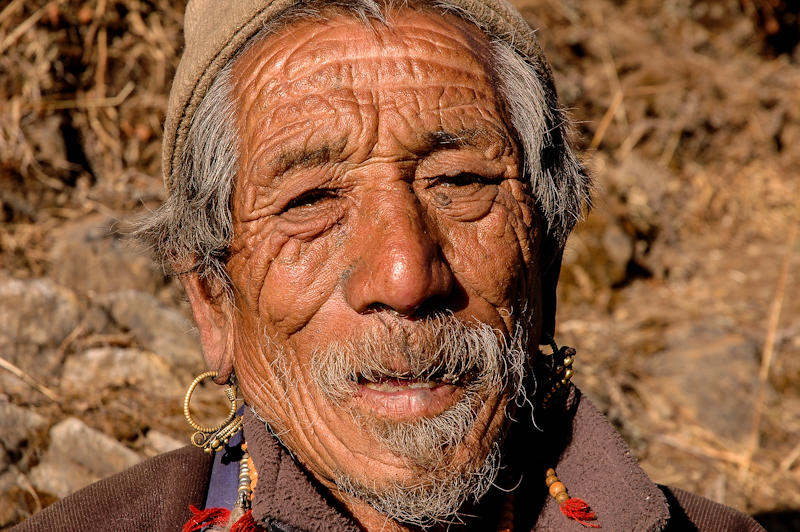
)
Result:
{"points": [[387, 386]]}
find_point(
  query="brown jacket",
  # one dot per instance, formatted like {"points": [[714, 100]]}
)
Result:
{"points": [[594, 463]]}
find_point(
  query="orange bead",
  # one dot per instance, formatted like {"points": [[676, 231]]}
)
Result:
{"points": [[556, 488], [550, 480], [562, 497], [550, 472]]}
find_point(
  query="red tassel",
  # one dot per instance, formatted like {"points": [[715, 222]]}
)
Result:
{"points": [[219, 517], [578, 510], [245, 524], [206, 518]]}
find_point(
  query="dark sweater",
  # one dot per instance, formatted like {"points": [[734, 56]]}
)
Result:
{"points": [[594, 463]]}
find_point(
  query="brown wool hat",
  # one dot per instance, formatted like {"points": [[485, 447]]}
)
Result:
{"points": [[215, 30]]}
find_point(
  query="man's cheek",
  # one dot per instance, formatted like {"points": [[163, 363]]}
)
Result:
{"points": [[486, 258], [252, 255], [297, 281], [280, 277], [521, 230]]}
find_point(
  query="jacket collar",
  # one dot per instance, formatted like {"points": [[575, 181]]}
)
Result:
{"points": [[285, 493], [596, 465], [590, 456]]}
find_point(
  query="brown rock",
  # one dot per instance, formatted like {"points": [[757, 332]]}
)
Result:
{"points": [[77, 456], [101, 368], [35, 317], [157, 328], [16, 502], [60, 477], [91, 257], [35, 312], [157, 442], [711, 380], [19, 429]]}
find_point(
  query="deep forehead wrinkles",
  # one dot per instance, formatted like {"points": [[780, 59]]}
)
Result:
{"points": [[321, 82], [389, 55], [312, 56], [311, 46]]}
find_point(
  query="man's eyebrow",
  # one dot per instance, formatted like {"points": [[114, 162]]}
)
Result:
{"points": [[298, 158], [471, 138], [295, 159]]}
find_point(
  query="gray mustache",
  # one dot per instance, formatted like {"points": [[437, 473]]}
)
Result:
{"points": [[440, 348]]}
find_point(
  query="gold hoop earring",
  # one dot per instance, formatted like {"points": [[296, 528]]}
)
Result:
{"points": [[212, 439]]}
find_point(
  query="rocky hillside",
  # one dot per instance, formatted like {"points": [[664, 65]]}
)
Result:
{"points": [[680, 290]]}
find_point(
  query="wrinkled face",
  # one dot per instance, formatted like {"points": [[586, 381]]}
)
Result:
{"points": [[380, 215]]}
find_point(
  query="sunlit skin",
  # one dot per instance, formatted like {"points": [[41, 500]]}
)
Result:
{"points": [[378, 181]]}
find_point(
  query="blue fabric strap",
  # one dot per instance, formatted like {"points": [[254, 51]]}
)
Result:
{"points": [[223, 486], [224, 483]]}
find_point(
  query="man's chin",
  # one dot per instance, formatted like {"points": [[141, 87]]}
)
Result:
{"points": [[425, 443], [427, 496]]}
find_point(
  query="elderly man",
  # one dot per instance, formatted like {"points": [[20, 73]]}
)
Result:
{"points": [[368, 204]]}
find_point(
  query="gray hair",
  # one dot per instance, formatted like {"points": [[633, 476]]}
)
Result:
{"points": [[192, 230]]}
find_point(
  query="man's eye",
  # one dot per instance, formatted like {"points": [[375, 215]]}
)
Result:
{"points": [[310, 198], [463, 180]]}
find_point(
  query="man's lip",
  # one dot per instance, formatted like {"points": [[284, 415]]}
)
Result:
{"points": [[399, 385], [406, 400]]}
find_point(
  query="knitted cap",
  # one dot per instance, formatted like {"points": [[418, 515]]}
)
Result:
{"points": [[215, 30]]}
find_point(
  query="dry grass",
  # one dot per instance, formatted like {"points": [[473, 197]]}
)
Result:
{"points": [[689, 122]]}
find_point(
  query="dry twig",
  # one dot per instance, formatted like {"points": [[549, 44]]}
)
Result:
{"points": [[27, 379], [769, 343], [787, 463], [20, 30], [606, 121], [83, 103], [701, 449], [10, 10]]}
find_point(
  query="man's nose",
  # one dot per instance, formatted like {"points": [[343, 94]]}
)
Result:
{"points": [[400, 265]]}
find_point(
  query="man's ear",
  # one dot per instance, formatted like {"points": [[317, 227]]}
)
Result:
{"points": [[214, 320]]}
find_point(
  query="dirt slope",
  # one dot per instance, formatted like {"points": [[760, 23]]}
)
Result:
{"points": [[680, 289]]}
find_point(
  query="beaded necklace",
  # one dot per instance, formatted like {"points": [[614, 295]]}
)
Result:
{"points": [[572, 507]]}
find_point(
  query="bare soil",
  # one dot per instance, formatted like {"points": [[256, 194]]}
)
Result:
{"points": [[680, 290]]}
